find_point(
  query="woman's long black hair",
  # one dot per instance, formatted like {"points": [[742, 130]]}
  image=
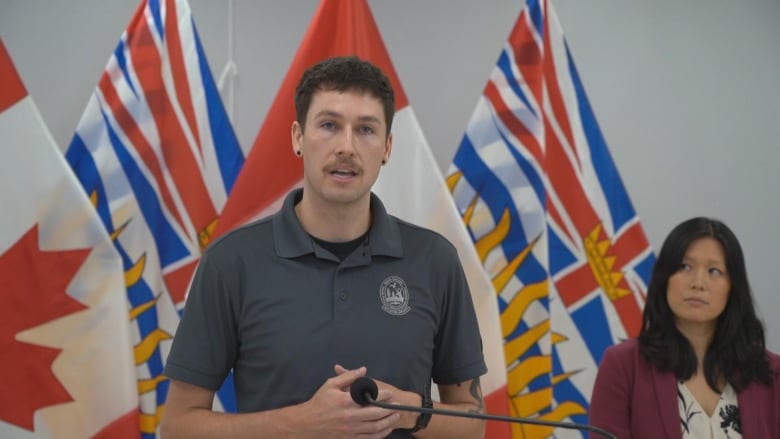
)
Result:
{"points": [[737, 351]]}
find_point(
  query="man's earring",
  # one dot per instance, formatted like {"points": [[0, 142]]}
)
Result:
{"points": [[298, 152], [384, 161]]}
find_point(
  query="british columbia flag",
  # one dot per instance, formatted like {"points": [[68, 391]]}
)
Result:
{"points": [[157, 156], [552, 224]]}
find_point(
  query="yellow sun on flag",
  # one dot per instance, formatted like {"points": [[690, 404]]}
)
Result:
{"points": [[523, 368]]}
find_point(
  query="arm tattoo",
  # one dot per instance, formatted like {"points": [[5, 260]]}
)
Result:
{"points": [[476, 392]]}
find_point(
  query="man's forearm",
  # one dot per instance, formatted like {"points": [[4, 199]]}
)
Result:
{"points": [[201, 423], [453, 427]]}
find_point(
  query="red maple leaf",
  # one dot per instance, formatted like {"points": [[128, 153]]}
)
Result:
{"points": [[32, 292]]}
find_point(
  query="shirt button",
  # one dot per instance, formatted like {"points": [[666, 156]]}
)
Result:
{"points": [[343, 296]]}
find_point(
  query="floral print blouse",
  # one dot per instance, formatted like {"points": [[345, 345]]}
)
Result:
{"points": [[724, 423]]}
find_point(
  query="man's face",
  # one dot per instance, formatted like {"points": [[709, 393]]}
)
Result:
{"points": [[343, 145]]}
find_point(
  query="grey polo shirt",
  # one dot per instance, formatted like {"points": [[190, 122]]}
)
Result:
{"points": [[278, 309]]}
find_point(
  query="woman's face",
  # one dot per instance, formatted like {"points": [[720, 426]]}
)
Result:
{"points": [[698, 292]]}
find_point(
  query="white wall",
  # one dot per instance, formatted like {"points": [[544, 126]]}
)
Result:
{"points": [[687, 93]]}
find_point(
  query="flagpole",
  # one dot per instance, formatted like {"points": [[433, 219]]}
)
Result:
{"points": [[230, 68]]}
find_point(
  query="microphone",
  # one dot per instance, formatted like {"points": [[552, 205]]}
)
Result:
{"points": [[364, 392]]}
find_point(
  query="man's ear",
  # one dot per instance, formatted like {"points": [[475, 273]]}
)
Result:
{"points": [[296, 135], [388, 148]]}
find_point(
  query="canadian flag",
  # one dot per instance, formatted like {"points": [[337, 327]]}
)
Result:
{"points": [[411, 185], [65, 342]]}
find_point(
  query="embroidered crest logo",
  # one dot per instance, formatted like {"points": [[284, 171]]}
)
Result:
{"points": [[394, 296]]}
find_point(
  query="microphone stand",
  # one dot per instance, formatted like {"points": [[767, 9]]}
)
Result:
{"points": [[365, 392]]}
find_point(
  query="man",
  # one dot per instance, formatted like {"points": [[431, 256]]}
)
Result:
{"points": [[327, 290]]}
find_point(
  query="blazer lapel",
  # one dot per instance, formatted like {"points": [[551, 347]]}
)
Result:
{"points": [[751, 412]]}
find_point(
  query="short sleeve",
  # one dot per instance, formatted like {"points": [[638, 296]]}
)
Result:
{"points": [[458, 352], [205, 345]]}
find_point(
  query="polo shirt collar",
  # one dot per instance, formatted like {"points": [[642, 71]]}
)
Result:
{"points": [[291, 240]]}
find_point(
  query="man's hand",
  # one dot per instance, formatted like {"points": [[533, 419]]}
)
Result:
{"points": [[393, 395], [331, 412]]}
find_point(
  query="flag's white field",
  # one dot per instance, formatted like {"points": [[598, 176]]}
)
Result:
{"points": [[95, 362], [413, 189]]}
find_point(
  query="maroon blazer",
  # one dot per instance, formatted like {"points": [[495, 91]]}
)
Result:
{"points": [[633, 400]]}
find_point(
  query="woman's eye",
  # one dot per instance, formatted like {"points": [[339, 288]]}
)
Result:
{"points": [[716, 271], [685, 267]]}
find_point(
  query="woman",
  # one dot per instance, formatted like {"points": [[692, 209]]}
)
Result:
{"points": [[699, 368]]}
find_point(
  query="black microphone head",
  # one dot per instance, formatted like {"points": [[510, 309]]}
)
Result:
{"points": [[364, 390]]}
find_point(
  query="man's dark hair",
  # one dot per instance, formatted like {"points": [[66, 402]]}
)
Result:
{"points": [[342, 74], [737, 350]]}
